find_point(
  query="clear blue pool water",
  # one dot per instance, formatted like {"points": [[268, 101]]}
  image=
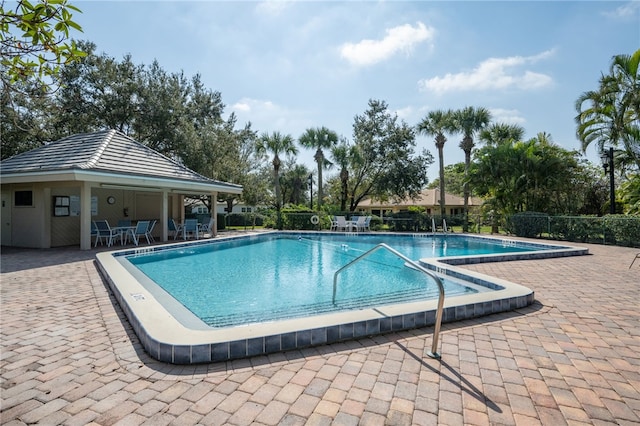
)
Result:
{"points": [[286, 276]]}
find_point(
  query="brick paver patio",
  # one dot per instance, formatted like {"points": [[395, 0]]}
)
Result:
{"points": [[70, 357]]}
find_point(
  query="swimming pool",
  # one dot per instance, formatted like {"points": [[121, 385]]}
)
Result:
{"points": [[288, 276], [171, 332]]}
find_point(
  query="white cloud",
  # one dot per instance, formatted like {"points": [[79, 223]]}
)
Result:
{"points": [[493, 74], [267, 116], [630, 10], [397, 39], [412, 114], [508, 116], [272, 7]]}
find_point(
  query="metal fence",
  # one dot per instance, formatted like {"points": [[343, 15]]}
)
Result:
{"points": [[622, 230]]}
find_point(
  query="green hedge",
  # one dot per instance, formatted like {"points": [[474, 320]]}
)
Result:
{"points": [[244, 219], [528, 224]]}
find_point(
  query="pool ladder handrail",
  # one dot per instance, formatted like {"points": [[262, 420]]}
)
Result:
{"points": [[436, 331]]}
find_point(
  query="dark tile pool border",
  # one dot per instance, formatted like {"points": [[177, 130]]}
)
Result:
{"points": [[185, 346]]}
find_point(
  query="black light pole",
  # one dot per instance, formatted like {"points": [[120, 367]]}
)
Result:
{"points": [[607, 163], [310, 179]]}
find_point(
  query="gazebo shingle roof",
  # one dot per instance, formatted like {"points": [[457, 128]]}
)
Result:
{"points": [[107, 151]]}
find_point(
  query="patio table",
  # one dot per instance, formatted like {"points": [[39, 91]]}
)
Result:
{"points": [[124, 232]]}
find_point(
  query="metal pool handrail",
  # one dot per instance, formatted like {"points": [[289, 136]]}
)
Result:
{"points": [[436, 332]]}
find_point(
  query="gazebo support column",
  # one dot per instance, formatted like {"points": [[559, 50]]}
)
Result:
{"points": [[214, 212], [85, 216], [164, 216]]}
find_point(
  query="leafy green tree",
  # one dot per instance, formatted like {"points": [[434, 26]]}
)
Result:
{"points": [[469, 121], [536, 175], [34, 42], [276, 144], [173, 114], [436, 124], [167, 112], [223, 152], [610, 115], [319, 138], [295, 182], [631, 194], [453, 178], [24, 120], [383, 162]]}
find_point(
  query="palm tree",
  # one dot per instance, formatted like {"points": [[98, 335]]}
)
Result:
{"points": [[436, 123], [468, 121], [498, 133], [610, 115], [340, 154], [276, 144], [319, 138]]}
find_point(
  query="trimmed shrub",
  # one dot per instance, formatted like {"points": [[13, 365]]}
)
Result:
{"points": [[528, 224]]}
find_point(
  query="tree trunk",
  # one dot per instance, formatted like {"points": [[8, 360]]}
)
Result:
{"points": [[276, 176], [344, 177], [440, 145], [467, 146], [319, 157]]}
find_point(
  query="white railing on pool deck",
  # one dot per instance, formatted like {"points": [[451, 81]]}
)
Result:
{"points": [[436, 331]]}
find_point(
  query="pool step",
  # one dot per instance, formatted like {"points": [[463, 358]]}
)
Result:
{"points": [[265, 315]]}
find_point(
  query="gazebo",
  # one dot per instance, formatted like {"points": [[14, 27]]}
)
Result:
{"points": [[51, 194]]}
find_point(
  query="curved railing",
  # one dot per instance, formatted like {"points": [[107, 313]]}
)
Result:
{"points": [[417, 266]]}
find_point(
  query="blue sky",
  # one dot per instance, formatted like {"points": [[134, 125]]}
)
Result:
{"points": [[288, 66]]}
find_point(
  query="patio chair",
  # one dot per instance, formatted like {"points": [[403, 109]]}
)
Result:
{"points": [[105, 232], [173, 228], [149, 234], [334, 223], [208, 228], [360, 223], [141, 231], [94, 231], [343, 224], [191, 227]]}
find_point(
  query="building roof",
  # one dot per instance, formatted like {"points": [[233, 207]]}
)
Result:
{"points": [[106, 153], [426, 198]]}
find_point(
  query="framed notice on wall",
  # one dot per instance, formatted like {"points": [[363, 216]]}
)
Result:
{"points": [[74, 205], [61, 205]]}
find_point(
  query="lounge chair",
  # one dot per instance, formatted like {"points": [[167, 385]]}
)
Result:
{"points": [[105, 231], [141, 231]]}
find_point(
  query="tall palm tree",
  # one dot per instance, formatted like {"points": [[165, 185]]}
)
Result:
{"points": [[276, 144], [469, 121], [436, 123], [498, 133], [340, 154], [319, 138], [611, 114]]}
